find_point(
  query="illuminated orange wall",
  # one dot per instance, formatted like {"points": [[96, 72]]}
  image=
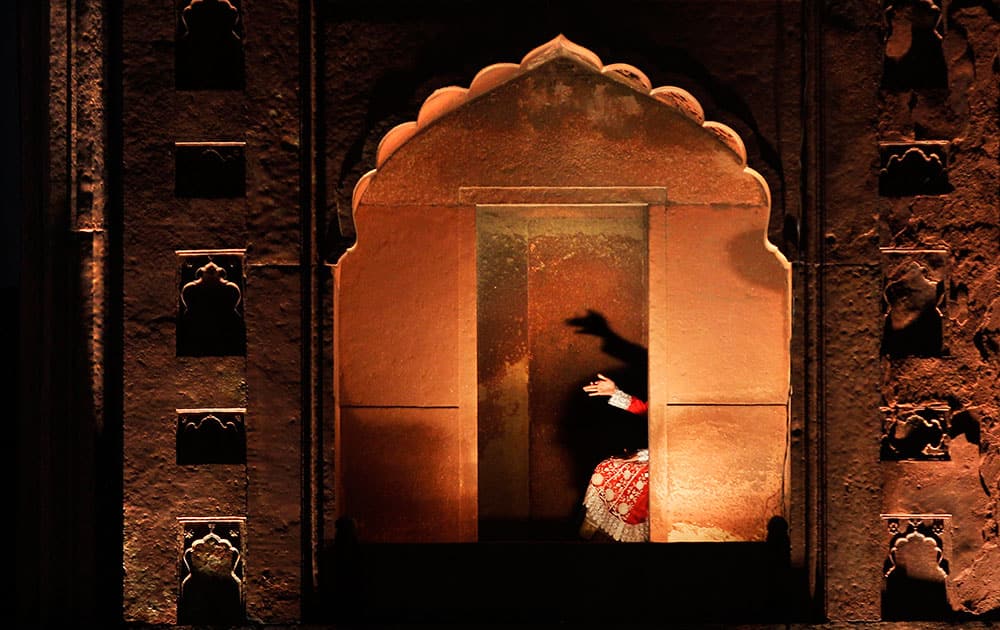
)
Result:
{"points": [[561, 129]]}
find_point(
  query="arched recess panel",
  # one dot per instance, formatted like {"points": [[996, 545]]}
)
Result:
{"points": [[561, 294], [561, 130]]}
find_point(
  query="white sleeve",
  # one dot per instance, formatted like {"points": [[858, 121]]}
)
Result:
{"points": [[620, 399]]}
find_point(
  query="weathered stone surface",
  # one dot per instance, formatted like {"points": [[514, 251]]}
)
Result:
{"points": [[853, 480], [944, 104], [974, 588], [156, 490], [960, 111], [987, 337], [274, 444], [719, 474], [850, 39], [271, 127]]}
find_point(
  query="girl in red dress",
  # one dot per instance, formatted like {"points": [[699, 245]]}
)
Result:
{"points": [[617, 497]]}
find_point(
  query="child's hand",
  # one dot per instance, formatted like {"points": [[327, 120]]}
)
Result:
{"points": [[603, 386]]}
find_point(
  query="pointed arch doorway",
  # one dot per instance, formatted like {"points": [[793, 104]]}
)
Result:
{"points": [[572, 147]]}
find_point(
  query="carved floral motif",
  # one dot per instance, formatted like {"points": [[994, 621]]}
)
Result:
{"points": [[916, 567], [211, 571]]}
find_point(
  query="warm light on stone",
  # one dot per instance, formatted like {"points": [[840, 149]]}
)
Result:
{"points": [[717, 304]]}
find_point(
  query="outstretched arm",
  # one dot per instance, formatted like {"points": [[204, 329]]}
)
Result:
{"points": [[604, 386]]}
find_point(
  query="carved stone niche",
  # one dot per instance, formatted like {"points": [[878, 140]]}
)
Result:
{"points": [[914, 58], [916, 567], [210, 170], [209, 45], [915, 432], [211, 571], [211, 436], [554, 197], [914, 168], [914, 296], [210, 303]]}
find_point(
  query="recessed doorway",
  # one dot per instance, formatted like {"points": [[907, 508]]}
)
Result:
{"points": [[562, 294]]}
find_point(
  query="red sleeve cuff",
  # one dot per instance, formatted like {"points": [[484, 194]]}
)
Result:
{"points": [[637, 406]]}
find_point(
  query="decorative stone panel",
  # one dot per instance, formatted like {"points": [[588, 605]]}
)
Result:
{"points": [[211, 436], [210, 170], [212, 570], [915, 432], [913, 168], [914, 295], [916, 567], [210, 303], [209, 45], [914, 57]]}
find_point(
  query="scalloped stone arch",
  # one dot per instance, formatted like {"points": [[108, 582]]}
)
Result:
{"points": [[447, 99], [561, 130]]}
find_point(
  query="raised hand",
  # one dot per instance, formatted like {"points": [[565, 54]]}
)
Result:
{"points": [[603, 386]]}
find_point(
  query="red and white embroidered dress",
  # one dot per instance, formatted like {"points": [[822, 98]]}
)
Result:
{"points": [[617, 497]]}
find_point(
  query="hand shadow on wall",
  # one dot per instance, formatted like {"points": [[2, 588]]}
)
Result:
{"points": [[591, 429]]}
